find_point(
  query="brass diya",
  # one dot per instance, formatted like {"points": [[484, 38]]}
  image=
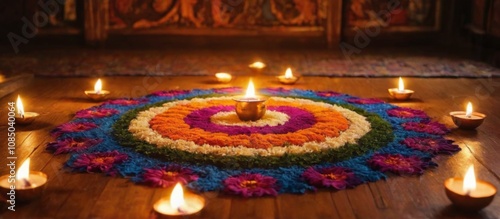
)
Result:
{"points": [[250, 109]]}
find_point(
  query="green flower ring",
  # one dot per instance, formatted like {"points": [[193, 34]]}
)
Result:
{"points": [[134, 130]]}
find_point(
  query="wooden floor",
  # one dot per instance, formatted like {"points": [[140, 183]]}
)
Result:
{"points": [[80, 195]]}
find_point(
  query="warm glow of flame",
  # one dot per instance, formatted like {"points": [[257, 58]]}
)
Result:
{"points": [[469, 180], [20, 107], [24, 171], [250, 90], [288, 73], [468, 112], [98, 86], [258, 65], [401, 84], [177, 197], [223, 75]]}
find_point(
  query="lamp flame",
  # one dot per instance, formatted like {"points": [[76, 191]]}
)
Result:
{"points": [[250, 90], [177, 197], [23, 173], [401, 85], [288, 73], [20, 107], [469, 181], [468, 112], [258, 65], [98, 86]]}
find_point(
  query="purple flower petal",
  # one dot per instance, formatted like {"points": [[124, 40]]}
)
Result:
{"points": [[168, 176], [432, 145], [426, 127], [251, 185], [402, 112], [331, 177], [100, 162], [72, 145], [73, 127], [399, 164], [357, 100], [96, 113]]}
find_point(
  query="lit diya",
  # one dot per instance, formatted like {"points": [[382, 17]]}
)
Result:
{"points": [[223, 77], [179, 204], [250, 107], [468, 193], [257, 67], [98, 93], [400, 93], [25, 185], [467, 119], [288, 78], [24, 118]]}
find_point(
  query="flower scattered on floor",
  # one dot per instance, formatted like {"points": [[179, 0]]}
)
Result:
{"points": [[170, 93], [432, 145], [168, 176], [329, 94], [100, 162], [364, 100], [96, 113], [126, 102], [331, 177], [399, 164], [403, 112], [73, 127], [426, 127], [68, 145], [251, 184]]}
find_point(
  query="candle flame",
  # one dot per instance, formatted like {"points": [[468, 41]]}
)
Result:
{"points": [[258, 65], [288, 73], [469, 181], [20, 107], [250, 90], [468, 112], [401, 85], [98, 86], [177, 197], [223, 75], [23, 173]]}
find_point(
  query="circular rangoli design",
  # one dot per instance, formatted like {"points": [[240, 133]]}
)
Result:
{"points": [[306, 140]]}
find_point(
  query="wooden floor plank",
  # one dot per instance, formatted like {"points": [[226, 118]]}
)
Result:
{"points": [[81, 195]]}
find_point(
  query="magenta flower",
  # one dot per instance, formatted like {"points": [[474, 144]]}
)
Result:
{"points": [[432, 145], [72, 145], [126, 102], [228, 90], [168, 176], [100, 162], [364, 100], [278, 90], [97, 113], [73, 127], [426, 127], [399, 164], [251, 184], [403, 112], [169, 93], [328, 94], [334, 177]]}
